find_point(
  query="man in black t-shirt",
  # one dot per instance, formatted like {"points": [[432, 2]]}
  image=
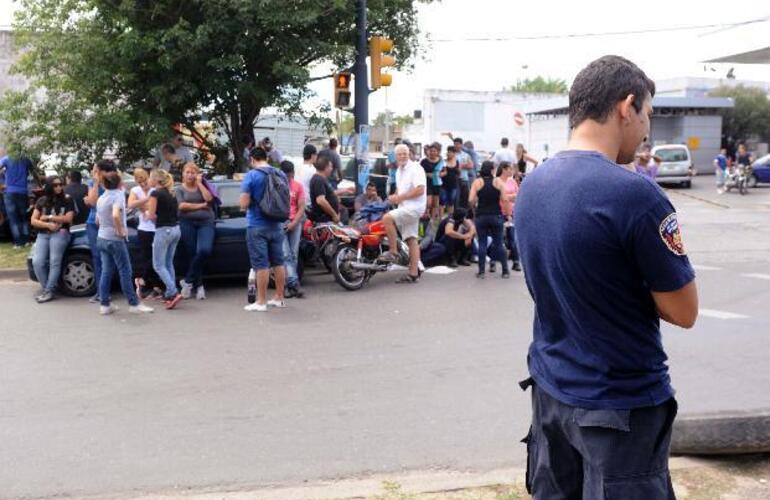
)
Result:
{"points": [[324, 205], [456, 233], [77, 191]]}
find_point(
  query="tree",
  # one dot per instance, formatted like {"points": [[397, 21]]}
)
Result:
{"points": [[749, 117], [540, 85], [121, 74], [395, 121]]}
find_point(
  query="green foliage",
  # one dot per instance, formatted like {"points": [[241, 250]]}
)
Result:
{"points": [[121, 73], [750, 116], [540, 85], [395, 121]]}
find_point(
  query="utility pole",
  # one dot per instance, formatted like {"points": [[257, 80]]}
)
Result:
{"points": [[360, 70]]}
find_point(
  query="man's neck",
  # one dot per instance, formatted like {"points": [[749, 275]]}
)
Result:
{"points": [[594, 136], [260, 164]]}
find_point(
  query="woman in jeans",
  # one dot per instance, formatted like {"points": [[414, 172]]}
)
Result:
{"points": [[163, 209], [95, 190], [147, 281], [111, 219], [52, 218], [506, 174], [196, 220], [486, 193]]}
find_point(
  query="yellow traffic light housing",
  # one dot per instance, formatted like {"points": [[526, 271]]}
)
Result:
{"points": [[342, 90], [378, 46]]}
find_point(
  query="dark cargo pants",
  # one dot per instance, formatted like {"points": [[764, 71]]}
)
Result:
{"points": [[575, 453]]}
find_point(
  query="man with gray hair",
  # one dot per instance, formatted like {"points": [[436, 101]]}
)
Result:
{"points": [[411, 198]]}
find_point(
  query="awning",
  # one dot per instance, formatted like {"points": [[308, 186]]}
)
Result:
{"points": [[759, 56]]}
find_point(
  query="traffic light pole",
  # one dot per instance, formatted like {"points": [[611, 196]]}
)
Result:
{"points": [[360, 70]]}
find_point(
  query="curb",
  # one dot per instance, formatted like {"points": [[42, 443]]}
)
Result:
{"points": [[14, 274]]}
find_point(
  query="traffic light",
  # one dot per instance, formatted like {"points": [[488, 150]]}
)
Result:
{"points": [[342, 90], [378, 46]]}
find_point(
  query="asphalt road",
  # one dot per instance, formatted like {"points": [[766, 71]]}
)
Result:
{"points": [[340, 384]]}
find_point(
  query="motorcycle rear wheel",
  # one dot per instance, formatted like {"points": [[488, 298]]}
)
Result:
{"points": [[344, 275]]}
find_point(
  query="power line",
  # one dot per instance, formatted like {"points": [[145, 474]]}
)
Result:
{"points": [[720, 26]]}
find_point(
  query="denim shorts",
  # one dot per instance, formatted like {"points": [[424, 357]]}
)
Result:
{"points": [[265, 246]]}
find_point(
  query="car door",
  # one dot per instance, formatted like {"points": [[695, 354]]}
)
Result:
{"points": [[762, 170], [230, 256]]}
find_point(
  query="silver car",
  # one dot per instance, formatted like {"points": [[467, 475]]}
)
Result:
{"points": [[675, 165]]}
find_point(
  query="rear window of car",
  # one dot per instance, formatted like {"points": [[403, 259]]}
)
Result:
{"points": [[672, 154]]}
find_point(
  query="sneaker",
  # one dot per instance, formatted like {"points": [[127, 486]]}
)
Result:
{"points": [[492, 268], [95, 299], [46, 296], [105, 310], [255, 307], [140, 308], [293, 292], [280, 304], [186, 289], [480, 275], [172, 302], [506, 275], [516, 266], [452, 263], [200, 294]]}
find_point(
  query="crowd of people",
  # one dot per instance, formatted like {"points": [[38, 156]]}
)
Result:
{"points": [[454, 208]]}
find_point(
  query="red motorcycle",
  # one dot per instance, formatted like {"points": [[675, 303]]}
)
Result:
{"points": [[357, 260]]}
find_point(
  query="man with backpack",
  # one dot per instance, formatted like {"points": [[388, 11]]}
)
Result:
{"points": [[265, 198]]}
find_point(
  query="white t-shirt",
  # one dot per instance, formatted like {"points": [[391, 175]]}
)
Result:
{"points": [[409, 177], [302, 174], [504, 154], [145, 224]]}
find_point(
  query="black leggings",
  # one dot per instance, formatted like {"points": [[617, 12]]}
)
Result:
{"points": [[486, 226], [144, 267]]}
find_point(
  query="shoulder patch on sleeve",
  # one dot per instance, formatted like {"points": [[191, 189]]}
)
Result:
{"points": [[671, 235]]}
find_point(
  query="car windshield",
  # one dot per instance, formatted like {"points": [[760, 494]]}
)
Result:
{"points": [[674, 154]]}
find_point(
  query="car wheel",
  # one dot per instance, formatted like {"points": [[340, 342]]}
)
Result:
{"points": [[687, 184], [753, 181], [78, 278]]}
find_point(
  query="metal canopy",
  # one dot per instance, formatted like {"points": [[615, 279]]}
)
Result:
{"points": [[759, 56]]}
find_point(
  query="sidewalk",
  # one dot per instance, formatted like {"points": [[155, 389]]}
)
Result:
{"points": [[740, 478]]}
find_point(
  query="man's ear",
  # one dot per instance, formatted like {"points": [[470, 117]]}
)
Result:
{"points": [[626, 108]]}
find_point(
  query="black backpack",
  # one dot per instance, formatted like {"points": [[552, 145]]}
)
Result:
{"points": [[277, 197]]}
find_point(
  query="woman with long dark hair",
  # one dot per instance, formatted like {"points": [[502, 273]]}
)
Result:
{"points": [[52, 218], [196, 221], [486, 193]]}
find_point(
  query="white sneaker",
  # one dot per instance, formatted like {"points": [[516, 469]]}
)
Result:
{"points": [[186, 289], [140, 308], [201, 293], [255, 307], [280, 304], [105, 310]]}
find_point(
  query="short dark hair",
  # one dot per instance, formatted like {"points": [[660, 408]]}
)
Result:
{"points": [[451, 149], [168, 148], [308, 151], [459, 214], [332, 143], [322, 162], [504, 142], [371, 184], [259, 154], [602, 84], [106, 165], [111, 180], [457, 140], [75, 176], [287, 167]]}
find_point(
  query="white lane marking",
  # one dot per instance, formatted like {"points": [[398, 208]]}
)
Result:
{"points": [[699, 267], [758, 276], [439, 270], [713, 313]]}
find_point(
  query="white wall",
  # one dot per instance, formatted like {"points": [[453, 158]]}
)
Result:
{"points": [[552, 132]]}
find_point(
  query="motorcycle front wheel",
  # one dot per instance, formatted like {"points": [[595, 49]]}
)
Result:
{"points": [[347, 277], [743, 188]]}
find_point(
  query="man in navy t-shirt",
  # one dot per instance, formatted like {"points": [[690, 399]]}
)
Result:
{"points": [[264, 236], [16, 195], [604, 261]]}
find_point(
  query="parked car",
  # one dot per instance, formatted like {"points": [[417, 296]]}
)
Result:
{"points": [[760, 171], [676, 165], [230, 256]]}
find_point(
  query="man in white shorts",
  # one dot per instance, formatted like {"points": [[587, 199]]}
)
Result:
{"points": [[411, 199]]}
